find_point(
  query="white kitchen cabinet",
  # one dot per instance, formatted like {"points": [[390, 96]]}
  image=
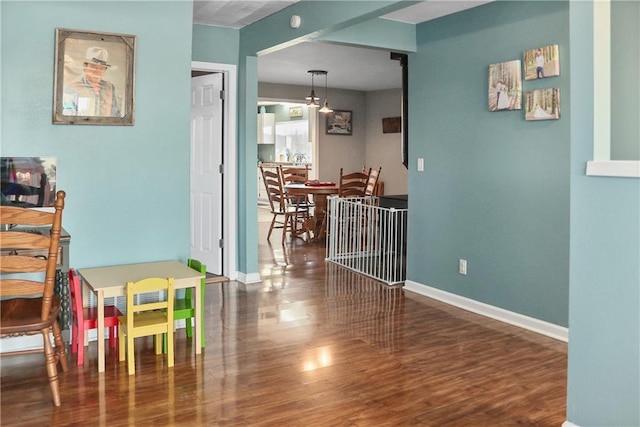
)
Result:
{"points": [[266, 128]]}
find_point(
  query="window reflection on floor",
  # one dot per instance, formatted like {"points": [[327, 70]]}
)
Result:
{"points": [[354, 301]]}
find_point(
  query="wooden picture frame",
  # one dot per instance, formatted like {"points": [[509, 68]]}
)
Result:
{"points": [[339, 123], [392, 125], [94, 78]]}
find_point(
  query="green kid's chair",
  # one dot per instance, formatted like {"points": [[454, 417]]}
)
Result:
{"points": [[184, 308]]}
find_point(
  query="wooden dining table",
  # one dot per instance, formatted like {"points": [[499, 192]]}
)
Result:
{"points": [[111, 281], [319, 193]]}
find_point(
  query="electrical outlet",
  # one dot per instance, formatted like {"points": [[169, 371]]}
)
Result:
{"points": [[462, 266], [420, 164]]}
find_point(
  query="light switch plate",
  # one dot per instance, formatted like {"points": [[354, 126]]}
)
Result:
{"points": [[462, 266]]}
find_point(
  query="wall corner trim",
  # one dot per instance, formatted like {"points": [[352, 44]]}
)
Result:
{"points": [[539, 326]]}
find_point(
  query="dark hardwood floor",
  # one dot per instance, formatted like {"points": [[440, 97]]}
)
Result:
{"points": [[312, 345]]}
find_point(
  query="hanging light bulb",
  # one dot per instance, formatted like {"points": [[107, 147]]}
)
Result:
{"points": [[312, 103], [312, 98], [325, 108]]}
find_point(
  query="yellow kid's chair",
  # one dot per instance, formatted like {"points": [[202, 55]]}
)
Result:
{"points": [[144, 319], [185, 308]]}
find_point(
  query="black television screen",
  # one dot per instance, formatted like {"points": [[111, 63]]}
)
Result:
{"points": [[28, 181]]}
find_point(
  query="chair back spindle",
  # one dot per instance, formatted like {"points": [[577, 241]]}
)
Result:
{"points": [[372, 181]]}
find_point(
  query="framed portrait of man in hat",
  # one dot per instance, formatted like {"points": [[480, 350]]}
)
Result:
{"points": [[94, 78]]}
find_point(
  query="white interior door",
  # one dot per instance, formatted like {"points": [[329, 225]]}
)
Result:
{"points": [[206, 178]]}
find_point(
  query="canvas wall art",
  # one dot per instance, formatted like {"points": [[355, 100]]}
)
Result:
{"points": [[505, 86], [542, 104], [339, 123], [541, 62]]}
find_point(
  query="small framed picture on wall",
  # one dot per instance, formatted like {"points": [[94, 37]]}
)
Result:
{"points": [[295, 112], [339, 123], [392, 125]]}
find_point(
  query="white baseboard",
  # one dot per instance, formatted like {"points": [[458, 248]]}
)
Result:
{"points": [[233, 275], [545, 328], [569, 424], [92, 334], [249, 278], [23, 343]]}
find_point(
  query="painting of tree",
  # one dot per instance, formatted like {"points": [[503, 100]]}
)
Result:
{"points": [[505, 86], [542, 104], [541, 62]]}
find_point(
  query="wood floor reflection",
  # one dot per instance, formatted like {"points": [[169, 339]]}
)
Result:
{"points": [[311, 345]]}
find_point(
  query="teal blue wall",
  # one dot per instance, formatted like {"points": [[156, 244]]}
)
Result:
{"points": [[127, 186], [215, 44], [282, 113], [382, 33], [495, 190], [247, 162], [604, 314]]}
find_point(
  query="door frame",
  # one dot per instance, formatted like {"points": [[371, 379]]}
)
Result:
{"points": [[229, 158]]}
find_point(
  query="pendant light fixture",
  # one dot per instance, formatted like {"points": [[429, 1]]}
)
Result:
{"points": [[312, 98], [325, 108]]}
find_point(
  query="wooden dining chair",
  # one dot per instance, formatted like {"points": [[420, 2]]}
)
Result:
{"points": [[353, 184], [288, 214], [84, 319], [28, 305], [296, 175], [372, 181], [185, 308], [147, 318]]}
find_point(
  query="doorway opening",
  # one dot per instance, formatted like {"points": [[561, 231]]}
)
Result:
{"points": [[227, 168]]}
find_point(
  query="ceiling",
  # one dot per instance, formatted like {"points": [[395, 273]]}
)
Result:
{"points": [[349, 67]]}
